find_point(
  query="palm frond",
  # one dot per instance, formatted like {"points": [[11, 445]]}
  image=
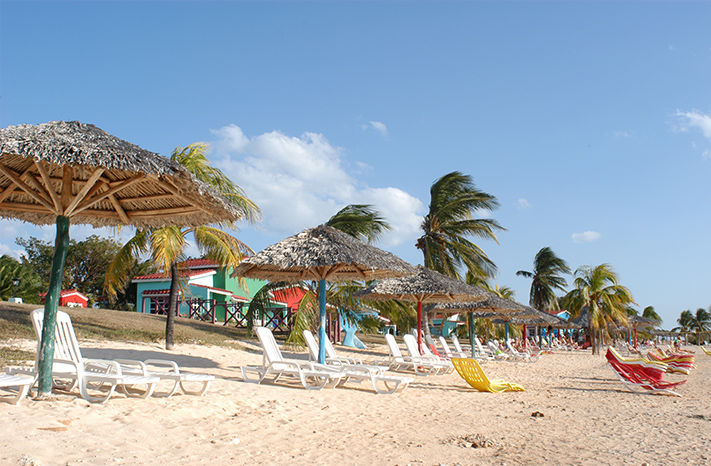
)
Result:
{"points": [[117, 274]]}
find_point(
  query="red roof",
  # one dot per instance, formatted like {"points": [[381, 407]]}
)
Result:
{"points": [[165, 292], [183, 273], [65, 293], [191, 263]]}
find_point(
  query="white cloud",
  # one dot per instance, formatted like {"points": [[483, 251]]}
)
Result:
{"points": [[706, 155], [586, 236], [523, 203], [378, 126], [622, 134], [12, 251], [694, 119], [299, 182]]}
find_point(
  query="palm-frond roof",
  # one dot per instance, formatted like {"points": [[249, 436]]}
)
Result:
{"points": [[82, 172], [426, 286], [319, 253]]}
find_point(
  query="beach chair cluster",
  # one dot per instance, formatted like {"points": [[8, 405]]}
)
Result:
{"points": [[676, 362], [314, 376], [641, 373], [97, 379]]}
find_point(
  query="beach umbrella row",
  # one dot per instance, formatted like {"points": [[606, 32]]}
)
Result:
{"points": [[66, 172], [424, 286]]}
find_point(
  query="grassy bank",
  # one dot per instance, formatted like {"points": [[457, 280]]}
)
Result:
{"points": [[104, 324]]}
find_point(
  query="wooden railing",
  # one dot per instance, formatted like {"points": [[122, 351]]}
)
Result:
{"points": [[280, 320]]}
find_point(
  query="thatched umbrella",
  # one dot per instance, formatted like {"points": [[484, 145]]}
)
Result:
{"points": [[322, 253], [425, 286], [492, 306], [62, 172]]}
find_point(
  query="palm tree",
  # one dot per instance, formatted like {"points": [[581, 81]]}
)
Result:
{"points": [[685, 321], [167, 245], [547, 278], [700, 322], [650, 313], [448, 225], [361, 221], [597, 289]]}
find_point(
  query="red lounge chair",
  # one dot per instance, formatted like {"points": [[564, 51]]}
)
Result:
{"points": [[641, 373]]}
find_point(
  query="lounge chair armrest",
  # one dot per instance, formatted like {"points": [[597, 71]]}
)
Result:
{"points": [[132, 364], [163, 363], [108, 367]]}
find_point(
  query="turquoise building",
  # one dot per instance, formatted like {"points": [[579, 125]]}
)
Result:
{"points": [[202, 279]]}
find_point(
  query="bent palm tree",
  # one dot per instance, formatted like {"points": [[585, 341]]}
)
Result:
{"points": [[448, 225], [598, 290], [547, 278], [167, 245]]}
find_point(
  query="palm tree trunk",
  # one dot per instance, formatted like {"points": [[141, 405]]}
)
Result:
{"points": [[426, 323], [591, 332], [172, 306]]}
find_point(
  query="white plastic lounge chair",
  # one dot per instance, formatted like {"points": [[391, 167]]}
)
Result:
{"points": [[519, 355], [67, 348], [331, 356], [436, 364], [21, 382], [358, 372], [311, 375], [69, 365], [495, 351], [447, 350], [427, 353], [400, 362]]}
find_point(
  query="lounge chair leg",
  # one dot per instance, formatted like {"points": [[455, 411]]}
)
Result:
{"points": [[95, 399], [21, 393], [200, 392]]}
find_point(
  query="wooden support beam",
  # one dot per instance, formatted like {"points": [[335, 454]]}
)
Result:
{"points": [[7, 191], [119, 210], [67, 191], [90, 201], [170, 188], [167, 211], [69, 210], [152, 197], [16, 178], [48, 183]]}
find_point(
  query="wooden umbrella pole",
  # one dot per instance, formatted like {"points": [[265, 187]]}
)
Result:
{"points": [[419, 326], [322, 322], [472, 335], [49, 324]]}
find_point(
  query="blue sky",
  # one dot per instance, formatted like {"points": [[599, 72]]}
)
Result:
{"points": [[590, 122]]}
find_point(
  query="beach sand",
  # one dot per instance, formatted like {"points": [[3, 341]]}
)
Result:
{"points": [[589, 417]]}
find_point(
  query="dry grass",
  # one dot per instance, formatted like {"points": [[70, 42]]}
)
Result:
{"points": [[104, 324]]}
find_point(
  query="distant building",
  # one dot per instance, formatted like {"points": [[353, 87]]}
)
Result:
{"points": [[70, 298], [202, 279]]}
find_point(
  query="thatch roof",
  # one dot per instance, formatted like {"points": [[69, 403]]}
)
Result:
{"points": [[492, 306], [640, 321], [325, 253], [533, 316], [426, 286], [80, 171], [583, 318]]}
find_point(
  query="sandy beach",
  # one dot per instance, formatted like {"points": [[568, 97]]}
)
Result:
{"points": [[588, 418]]}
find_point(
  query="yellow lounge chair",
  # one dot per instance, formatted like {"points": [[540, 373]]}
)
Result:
{"points": [[470, 370], [706, 351]]}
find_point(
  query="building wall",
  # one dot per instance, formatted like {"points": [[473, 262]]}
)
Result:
{"points": [[224, 281]]}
